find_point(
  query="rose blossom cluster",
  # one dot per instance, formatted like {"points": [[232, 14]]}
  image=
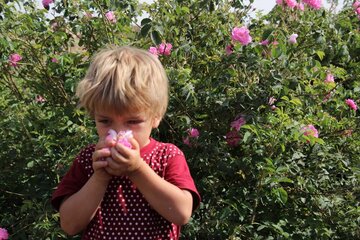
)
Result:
{"points": [[315, 4], [356, 6], [4, 235], [241, 35], [162, 49], [233, 137], [351, 103], [291, 4], [192, 133]]}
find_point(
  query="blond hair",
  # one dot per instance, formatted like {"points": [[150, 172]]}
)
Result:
{"points": [[124, 79]]}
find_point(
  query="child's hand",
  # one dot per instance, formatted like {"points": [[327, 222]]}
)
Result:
{"points": [[101, 153], [124, 160]]}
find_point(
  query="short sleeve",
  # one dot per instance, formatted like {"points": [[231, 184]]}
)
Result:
{"points": [[73, 180], [178, 173]]}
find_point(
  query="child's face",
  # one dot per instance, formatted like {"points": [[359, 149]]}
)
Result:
{"points": [[139, 123]]}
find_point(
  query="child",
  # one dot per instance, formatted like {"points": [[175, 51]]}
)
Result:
{"points": [[113, 191]]}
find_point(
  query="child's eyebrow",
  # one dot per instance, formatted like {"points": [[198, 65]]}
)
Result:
{"points": [[101, 116]]}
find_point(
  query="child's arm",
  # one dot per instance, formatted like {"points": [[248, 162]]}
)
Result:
{"points": [[77, 210], [171, 202]]}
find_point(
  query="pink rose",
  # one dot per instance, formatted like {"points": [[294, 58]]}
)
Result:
{"points": [[110, 16], [14, 59], [120, 137], [241, 35], [356, 4], [186, 141], [39, 99], [279, 2], [291, 3], [310, 130], [316, 4], [229, 49], [238, 123], [153, 50], [4, 235], [233, 138], [46, 3], [272, 100], [292, 38], [165, 49], [358, 11], [351, 103], [300, 6], [264, 42], [329, 78], [193, 132], [54, 60]]}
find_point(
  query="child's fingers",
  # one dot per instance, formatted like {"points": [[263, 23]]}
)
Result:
{"points": [[100, 164], [103, 143], [134, 143], [100, 154]]}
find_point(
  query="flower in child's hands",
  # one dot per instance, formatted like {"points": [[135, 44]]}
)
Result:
{"points": [[351, 103], [123, 138], [120, 137], [4, 235], [112, 136]]}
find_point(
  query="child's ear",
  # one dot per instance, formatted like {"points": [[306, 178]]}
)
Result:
{"points": [[155, 122]]}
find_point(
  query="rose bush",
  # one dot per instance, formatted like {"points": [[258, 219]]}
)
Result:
{"points": [[265, 109]]}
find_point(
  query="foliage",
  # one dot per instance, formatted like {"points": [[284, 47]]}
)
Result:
{"points": [[276, 183]]}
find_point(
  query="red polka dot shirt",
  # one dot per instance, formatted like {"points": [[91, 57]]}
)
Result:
{"points": [[124, 213]]}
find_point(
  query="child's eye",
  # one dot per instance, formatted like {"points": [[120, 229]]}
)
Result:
{"points": [[104, 121], [135, 121]]}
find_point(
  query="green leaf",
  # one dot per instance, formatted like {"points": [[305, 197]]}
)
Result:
{"points": [[283, 195], [145, 21], [320, 54], [155, 37], [145, 30], [247, 136]]}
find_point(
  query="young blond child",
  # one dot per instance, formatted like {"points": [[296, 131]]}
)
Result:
{"points": [[112, 191]]}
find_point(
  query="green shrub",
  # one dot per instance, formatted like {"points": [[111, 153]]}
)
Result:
{"points": [[274, 182]]}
